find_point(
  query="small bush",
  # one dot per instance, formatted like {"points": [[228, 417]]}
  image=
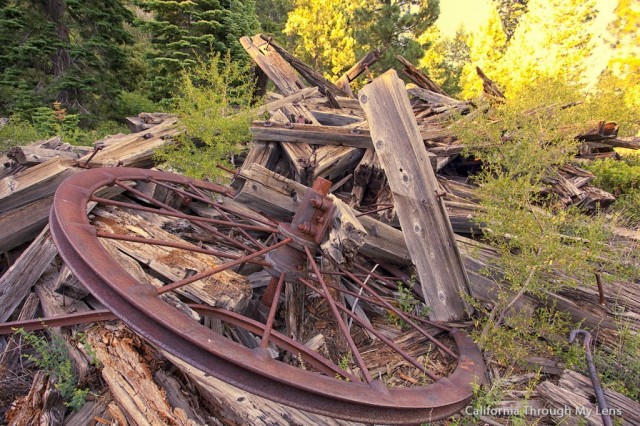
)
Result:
{"points": [[53, 358], [133, 103], [18, 132], [213, 103]]}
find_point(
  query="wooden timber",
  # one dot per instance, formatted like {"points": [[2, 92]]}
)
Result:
{"points": [[16, 283], [421, 211], [419, 77], [317, 135], [29, 156], [315, 78], [575, 392], [122, 357], [358, 68], [23, 223], [237, 407], [272, 64]]}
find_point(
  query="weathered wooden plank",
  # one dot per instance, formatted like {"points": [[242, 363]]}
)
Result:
{"points": [[138, 149], [130, 379], [419, 77], [18, 280], [279, 103], [237, 407], [29, 155], [318, 135], [421, 211], [574, 396], [23, 223], [32, 184], [278, 71], [312, 76]]}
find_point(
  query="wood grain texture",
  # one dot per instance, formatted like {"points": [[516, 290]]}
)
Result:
{"points": [[421, 211]]}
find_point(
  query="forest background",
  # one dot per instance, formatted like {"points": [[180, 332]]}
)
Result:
{"points": [[80, 67]]}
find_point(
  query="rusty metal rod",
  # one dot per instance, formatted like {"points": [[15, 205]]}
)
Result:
{"points": [[377, 303], [189, 247], [597, 388], [343, 327], [272, 312], [395, 310], [379, 335], [202, 223], [220, 268], [179, 215], [61, 321]]}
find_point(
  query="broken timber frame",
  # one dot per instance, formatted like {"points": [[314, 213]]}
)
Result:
{"points": [[421, 210]]}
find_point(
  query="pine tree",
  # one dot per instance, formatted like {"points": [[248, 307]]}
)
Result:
{"points": [[184, 30], [486, 50], [273, 15], [394, 26], [322, 36], [69, 51], [551, 41], [445, 57]]}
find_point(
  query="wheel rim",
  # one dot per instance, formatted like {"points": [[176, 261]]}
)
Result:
{"points": [[138, 305]]}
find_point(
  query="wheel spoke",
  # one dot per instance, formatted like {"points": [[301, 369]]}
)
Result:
{"points": [[373, 331], [173, 244], [343, 327], [219, 268], [396, 311], [272, 312]]}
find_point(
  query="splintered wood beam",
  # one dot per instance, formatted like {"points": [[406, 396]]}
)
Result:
{"points": [[358, 68], [16, 283], [421, 210], [308, 73], [272, 64], [419, 77]]}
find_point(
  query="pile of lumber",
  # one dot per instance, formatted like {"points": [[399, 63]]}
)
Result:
{"points": [[310, 127]]}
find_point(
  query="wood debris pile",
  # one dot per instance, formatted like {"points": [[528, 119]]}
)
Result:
{"points": [[311, 128]]}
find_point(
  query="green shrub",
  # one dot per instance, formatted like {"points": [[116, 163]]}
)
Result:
{"points": [[18, 132], [53, 358], [132, 103], [213, 103], [540, 247], [621, 178]]}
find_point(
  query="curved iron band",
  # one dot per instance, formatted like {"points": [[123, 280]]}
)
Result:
{"points": [[139, 307]]}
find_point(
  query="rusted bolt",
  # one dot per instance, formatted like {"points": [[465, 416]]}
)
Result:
{"points": [[186, 201], [439, 193], [267, 123], [320, 220]]}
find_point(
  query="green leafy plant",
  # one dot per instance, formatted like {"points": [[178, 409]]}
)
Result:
{"points": [[18, 132], [541, 246], [53, 358], [213, 103]]}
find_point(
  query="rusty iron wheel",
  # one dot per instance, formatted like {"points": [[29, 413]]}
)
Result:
{"points": [[321, 385]]}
